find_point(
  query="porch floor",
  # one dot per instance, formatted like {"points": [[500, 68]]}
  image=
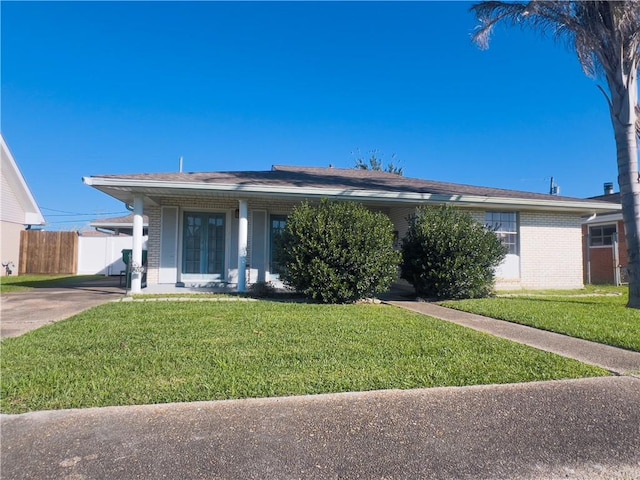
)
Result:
{"points": [[170, 288]]}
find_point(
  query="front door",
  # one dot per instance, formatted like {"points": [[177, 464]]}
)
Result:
{"points": [[203, 246]]}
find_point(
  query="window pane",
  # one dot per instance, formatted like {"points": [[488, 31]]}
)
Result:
{"points": [[204, 243], [278, 224], [505, 226], [601, 235], [596, 231]]}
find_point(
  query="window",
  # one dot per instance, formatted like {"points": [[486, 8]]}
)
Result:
{"points": [[505, 225], [277, 226], [602, 235]]}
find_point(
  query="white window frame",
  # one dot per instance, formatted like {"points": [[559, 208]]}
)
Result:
{"points": [[506, 229]]}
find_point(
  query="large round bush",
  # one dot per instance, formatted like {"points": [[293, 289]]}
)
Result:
{"points": [[447, 254], [337, 252]]}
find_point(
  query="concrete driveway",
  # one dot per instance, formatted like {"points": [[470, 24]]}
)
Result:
{"points": [[21, 312]]}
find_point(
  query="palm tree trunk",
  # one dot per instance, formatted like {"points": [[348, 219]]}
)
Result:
{"points": [[623, 118]]}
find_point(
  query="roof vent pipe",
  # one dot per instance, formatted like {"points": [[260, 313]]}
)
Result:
{"points": [[608, 188]]}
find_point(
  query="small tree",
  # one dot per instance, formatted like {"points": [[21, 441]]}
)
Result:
{"points": [[376, 163], [447, 254], [337, 252]]}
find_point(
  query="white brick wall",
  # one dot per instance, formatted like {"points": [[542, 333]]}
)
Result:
{"points": [[550, 250], [153, 244], [550, 243]]}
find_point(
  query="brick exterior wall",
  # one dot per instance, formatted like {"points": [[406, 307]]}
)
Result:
{"points": [[550, 243], [153, 244], [598, 262], [550, 250]]}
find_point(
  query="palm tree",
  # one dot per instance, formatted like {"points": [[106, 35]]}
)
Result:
{"points": [[606, 38]]}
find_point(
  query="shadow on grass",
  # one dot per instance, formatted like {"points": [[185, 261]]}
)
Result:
{"points": [[27, 282], [573, 300]]}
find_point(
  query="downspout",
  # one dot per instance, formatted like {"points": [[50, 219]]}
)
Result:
{"points": [[588, 239]]}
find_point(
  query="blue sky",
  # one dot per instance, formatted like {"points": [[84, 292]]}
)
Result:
{"points": [[93, 88]]}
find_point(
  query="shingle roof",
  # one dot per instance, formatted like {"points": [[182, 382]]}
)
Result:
{"points": [[348, 179], [611, 197], [127, 220]]}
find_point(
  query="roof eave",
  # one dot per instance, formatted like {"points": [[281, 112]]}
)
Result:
{"points": [[553, 204]]}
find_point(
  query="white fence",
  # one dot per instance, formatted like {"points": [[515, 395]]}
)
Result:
{"points": [[103, 255]]}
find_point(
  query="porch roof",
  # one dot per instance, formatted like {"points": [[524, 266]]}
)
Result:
{"points": [[300, 183]]}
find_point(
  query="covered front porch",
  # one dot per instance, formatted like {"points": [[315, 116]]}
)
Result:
{"points": [[211, 252], [219, 244]]}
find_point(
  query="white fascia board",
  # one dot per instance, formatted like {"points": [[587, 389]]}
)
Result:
{"points": [[372, 195], [32, 218], [606, 218]]}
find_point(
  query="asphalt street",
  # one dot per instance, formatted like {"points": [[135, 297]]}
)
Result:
{"points": [[576, 429]]}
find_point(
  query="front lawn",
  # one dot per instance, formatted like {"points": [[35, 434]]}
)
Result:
{"points": [[602, 319], [19, 283], [155, 352]]}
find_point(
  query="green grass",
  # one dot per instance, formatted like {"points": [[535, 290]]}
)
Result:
{"points": [[603, 319], [20, 283], [157, 352]]}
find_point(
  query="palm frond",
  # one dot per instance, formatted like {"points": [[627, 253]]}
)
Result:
{"points": [[605, 35]]}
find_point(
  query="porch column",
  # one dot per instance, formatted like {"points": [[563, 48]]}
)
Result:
{"points": [[243, 223], [136, 254]]}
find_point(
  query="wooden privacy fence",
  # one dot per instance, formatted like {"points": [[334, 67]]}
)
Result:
{"points": [[48, 252]]}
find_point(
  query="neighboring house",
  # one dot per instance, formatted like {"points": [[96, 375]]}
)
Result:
{"points": [[604, 243], [203, 226], [119, 225], [18, 210]]}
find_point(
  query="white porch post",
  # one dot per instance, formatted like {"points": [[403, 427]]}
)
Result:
{"points": [[243, 224], [136, 254]]}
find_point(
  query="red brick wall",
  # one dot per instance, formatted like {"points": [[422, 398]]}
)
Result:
{"points": [[601, 258], [622, 239]]}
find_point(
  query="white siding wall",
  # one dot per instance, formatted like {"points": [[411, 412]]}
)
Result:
{"points": [[10, 208], [10, 244], [12, 217]]}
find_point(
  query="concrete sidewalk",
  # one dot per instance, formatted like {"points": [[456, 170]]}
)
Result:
{"points": [[576, 429], [616, 360]]}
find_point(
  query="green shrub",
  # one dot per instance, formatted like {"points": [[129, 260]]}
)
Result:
{"points": [[337, 252], [447, 254]]}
